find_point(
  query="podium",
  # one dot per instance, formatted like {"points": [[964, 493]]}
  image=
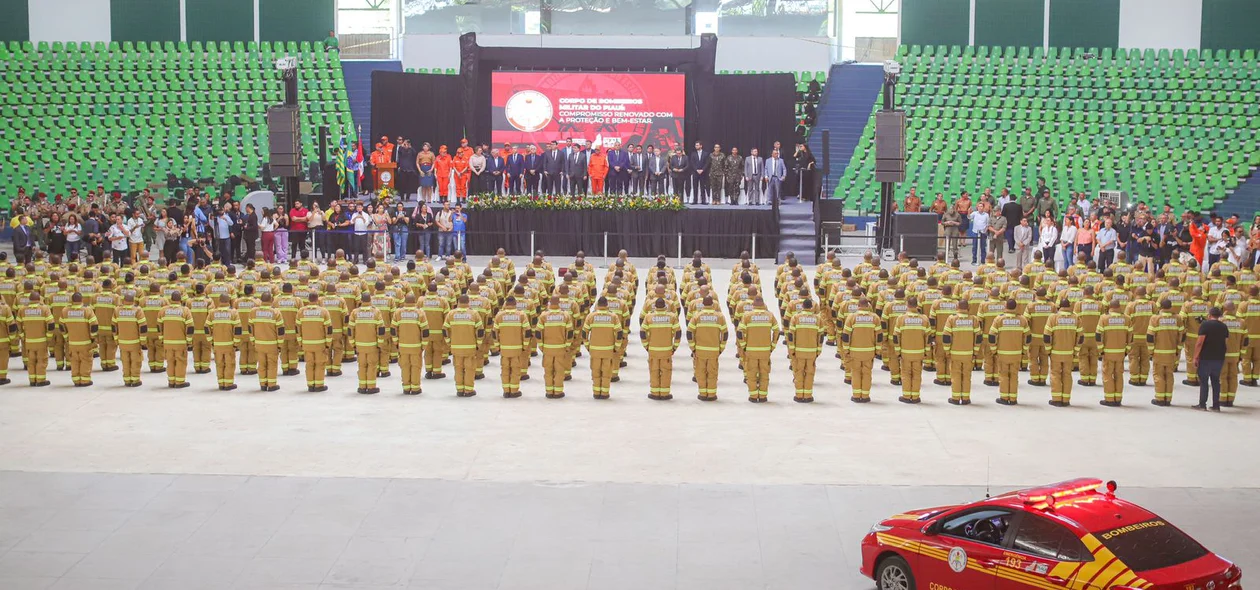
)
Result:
{"points": [[383, 175]]}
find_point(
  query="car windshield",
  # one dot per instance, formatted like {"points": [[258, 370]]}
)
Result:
{"points": [[1150, 545]]}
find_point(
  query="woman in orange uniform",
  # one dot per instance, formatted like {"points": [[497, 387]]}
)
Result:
{"points": [[1198, 240], [598, 170], [442, 170], [462, 172]]}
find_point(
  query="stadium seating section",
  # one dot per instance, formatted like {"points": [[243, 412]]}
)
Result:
{"points": [[127, 115], [1176, 127]]}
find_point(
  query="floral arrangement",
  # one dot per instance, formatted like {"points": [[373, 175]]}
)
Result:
{"points": [[492, 202], [386, 194]]}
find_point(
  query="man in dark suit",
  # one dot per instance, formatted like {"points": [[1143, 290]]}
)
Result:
{"points": [[515, 168], [678, 170], [617, 160], [496, 168], [657, 169], [533, 170], [634, 185], [552, 169], [23, 240], [575, 170], [699, 160]]}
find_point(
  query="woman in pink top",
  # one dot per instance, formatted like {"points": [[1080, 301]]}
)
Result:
{"points": [[1085, 238]]}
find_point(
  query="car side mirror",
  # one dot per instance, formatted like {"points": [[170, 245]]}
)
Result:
{"points": [[933, 529]]}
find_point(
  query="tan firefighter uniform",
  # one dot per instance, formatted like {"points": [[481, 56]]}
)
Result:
{"points": [[464, 331], [199, 306], [805, 335], [267, 328], [961, 336], [152, 305], [8, 333], [603, 332], [224, 329], [512, 331], [339, 322], [912, 337], [366, 330], [556, 328], [707, 334], [1038, 313], [245, 306], [1234, 346], [989, 311], [892, 312], [660, 335], [384, 302], [1112, 336], [1089, 310], [176, 327], [1139, 313], [757, 336], [1249, 313], [289, 304], [861, 337], [1193, 314], [130, 328], [79, 323], [58, 302], [314, 333], [1062, 338], [435, 351], [1165, 335], [411, 329], [105, 305], [1009, 336], [942, 309]]}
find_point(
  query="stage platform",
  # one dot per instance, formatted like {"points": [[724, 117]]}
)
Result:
{"points": [[720, 231]]}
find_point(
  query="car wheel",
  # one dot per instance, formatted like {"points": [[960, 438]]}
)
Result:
{"points": [[894, 574]]}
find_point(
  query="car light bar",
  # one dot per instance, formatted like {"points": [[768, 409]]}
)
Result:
{"points": [[1048, 495]]}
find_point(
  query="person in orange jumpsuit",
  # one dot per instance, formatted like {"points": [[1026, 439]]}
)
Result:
{"points": [[1198, 239], [387, 146], [442, 170], [598, 170], [463, 150], [462, 172]]}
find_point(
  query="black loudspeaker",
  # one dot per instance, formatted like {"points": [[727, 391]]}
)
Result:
{"points": [[284, 141], [826, 152], [890, 146], [332, 191], [915, 234]]}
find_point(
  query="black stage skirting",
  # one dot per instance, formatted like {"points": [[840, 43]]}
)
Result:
{"points": [[718, 233]]}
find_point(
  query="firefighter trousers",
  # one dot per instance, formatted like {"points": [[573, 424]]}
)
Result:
{"points": [[369, 365], [1008, 377], [411, 364], [960, 366], [268, 364], [156, 354], [511, 363], [1088, 360], [555, 365], [1113, 377], [1251, 359], [911, 376], [1139, 361], [1229, 377], [1162, 374], [757, 374], [861, 371], [176, 363], [201, 352], [132, 362], [107, 346], [1061, 378], [225, 365], [803, 365], [1038, 360], [661, 371], [706, 376], [80, 358], [316, 364], [601, 374]]}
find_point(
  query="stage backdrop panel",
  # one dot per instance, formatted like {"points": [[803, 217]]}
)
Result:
{"points": [[750, 111], [601, 107], [421, 107], [720, 233]]}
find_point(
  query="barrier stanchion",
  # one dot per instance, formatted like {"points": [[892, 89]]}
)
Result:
{"points": [[679, 249], [605, 249], [754, 246]]}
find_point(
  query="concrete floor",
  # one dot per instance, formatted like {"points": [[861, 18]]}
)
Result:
{"points": [[110, 487]]}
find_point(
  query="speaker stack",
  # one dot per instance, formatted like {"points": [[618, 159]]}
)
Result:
{"points": [[284, 141], [890, 146]]}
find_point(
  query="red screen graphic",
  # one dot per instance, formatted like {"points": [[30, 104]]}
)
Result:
{"points": [[538, 107]]}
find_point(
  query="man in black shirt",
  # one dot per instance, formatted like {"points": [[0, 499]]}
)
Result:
{"points": [[1013, 212], [1209, 356]]}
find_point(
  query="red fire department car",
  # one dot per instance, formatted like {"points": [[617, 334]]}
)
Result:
{"points": [[1076, 535]]}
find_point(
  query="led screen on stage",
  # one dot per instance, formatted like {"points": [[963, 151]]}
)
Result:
{"points": [[538, 107]]}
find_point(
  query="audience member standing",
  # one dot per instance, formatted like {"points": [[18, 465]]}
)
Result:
{"points": [[1209, 357]]}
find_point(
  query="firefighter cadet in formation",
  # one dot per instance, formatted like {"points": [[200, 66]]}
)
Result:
{"points": [[314, 333], [266, 327], [912, 336], [105, 305], [80, 326], [245, 307], [603, 333], [707, 334], [1112, 336], [1038, 313], [176, 328], [130, 328], [37, 323], [464, 331], [1061, 337], [1193, 313], [805, 336], [1166, 337], [555, 329], [224, 330], [660, 334], [58, 302], [1234, 345], [366, 330], [152, 304], [861, 337], [757, 335], [338, 317], [1249, 313], [288, 304], [411, 329], [1138, 313], [512, 331], [199, 306], [8, 333], [435, 307], [942, 309], [1089, 309], [961, 336], [1009, 336], [888, 318]]}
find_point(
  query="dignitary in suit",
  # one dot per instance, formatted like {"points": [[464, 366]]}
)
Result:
{"points": [[533, 170], [618, 174], [496, 170], [636, 169], [754, 172], [552, 169], [657, 172], [575, 170], [23, 240], [698, 161], [515, 168], [679, 168], [776, 171]]}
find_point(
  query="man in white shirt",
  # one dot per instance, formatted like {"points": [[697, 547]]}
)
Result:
{"points": [[135, 235], [361, 221], [1082, 203], [980, 228], [118, 235], [1215, 241]]}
